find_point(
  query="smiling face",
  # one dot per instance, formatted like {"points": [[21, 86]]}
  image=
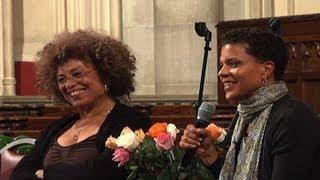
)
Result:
{"points": [[240, 73], [80, 84]]}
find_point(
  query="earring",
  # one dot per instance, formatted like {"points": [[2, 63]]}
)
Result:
{"points": [[106, 88], [264, 80]]}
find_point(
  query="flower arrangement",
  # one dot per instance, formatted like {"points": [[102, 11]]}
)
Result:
{"points": [[153, 155]]}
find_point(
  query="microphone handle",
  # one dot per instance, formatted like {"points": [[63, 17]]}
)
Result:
{"points": [[187, 157], [189, 153]]}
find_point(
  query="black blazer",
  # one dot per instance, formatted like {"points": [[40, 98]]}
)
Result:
{"points": [[291, 143], [101, 167]]}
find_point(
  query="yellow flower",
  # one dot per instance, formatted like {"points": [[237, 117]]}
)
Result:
{"points": [[111, 143], [140, 134]]}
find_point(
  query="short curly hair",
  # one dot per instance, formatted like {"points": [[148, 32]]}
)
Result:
{"points": [[112, 59], [263, 44]]}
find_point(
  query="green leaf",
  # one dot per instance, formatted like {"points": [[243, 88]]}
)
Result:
{"points": [[149, 163], [4, 140], [24, 149]]}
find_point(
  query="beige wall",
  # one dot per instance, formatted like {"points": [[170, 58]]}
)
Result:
{"points": [[306, 6], [159, 32], [246, 9], [33, 26], [179, 50], [36, 21], [296, 7], [139, 34], [169, 53], [1, 51], [233, 9]]}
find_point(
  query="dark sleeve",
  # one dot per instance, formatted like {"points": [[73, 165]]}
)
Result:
{"points": [[295, 144], [101, 167], [216, 167], [30, 163]]}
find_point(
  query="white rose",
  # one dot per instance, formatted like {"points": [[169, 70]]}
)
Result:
{"points": [[128, 140], [172, 129]]}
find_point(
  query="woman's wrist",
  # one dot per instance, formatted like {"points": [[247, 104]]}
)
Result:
{"points": [[209, 156]]}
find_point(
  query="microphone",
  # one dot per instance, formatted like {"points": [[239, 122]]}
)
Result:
{"points": [[275, 26], [202, 31], [204, 115]]}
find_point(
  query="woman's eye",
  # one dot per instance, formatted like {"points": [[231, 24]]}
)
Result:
{"points": [[78, 75], [234, 64], [61, 80]]}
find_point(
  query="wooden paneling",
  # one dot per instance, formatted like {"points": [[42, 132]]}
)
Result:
{"points": [[30, 120]]}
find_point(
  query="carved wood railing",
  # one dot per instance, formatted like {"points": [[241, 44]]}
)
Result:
{"points": [[31, 119]]}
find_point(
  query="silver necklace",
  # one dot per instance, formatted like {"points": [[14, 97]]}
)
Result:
{"points": [[76, 136]]}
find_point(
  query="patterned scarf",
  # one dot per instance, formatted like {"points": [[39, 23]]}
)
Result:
{"points": [[253, 113]]}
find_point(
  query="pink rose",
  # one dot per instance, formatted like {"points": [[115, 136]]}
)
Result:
{"points": [[121, 155], [164, 141]]}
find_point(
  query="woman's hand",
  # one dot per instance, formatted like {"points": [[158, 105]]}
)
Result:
{"points": [[201, 140], [39, 174]]}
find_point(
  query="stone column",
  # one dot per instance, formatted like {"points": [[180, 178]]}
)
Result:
{"points": [[1, 49], [116, 19], [179, 50], [290, 7], [267, 8], [8, 80], [60, 17], [253, 9], [75, 15], [101, 15], [96, 10], [233, 9], [139, 34], [287, 7]]}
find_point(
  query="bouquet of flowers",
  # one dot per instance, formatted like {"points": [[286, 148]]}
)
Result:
{"points": [[153, 155]]}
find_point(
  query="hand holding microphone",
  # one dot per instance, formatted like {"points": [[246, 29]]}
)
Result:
{"points": [[198, 140]]}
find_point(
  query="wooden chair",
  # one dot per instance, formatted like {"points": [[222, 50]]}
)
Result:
{"points": [[9, 159]]}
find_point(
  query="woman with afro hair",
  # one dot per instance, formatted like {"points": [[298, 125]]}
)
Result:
{"points": [[89, 71]]}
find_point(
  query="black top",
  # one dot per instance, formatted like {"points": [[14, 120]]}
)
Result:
{"points": [[100, 167], [291, 143]]}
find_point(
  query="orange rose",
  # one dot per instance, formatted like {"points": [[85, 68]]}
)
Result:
{"points": [[157, 129], [214, 130], [217, 133]]}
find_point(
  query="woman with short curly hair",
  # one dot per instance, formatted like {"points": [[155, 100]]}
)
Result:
{"points": [[266, 139], [89, 71]]}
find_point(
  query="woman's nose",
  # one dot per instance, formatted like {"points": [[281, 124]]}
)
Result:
{"points": [[70, 83], [223, 71]]}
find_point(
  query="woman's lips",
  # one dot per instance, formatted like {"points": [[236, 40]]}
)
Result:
{"points": [[76, 92], [229, 85]]}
